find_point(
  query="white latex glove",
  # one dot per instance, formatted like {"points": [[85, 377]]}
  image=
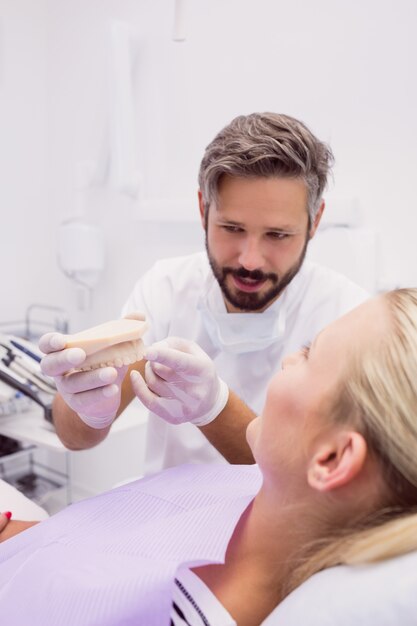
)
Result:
{"points": [[181, 383], [95, 394]]}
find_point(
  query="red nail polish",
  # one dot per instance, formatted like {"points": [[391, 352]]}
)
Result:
{"points": [[7, 514]]}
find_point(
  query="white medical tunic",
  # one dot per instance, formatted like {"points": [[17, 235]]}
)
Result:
{"points": [[181, 298]]}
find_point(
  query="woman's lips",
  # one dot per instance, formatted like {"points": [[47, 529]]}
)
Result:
{"points": [[248, 284]]}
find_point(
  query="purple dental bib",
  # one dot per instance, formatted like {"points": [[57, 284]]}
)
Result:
{"points": [[112, 559]]}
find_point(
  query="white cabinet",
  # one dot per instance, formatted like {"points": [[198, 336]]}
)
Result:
{"points": [[55, 476]]}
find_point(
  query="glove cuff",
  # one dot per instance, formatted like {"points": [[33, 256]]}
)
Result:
{"points": [[221, 400], [97, 423]]}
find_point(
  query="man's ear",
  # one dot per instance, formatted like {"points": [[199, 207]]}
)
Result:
{"points": [[316, 220], [202, 209], [337, 461]]}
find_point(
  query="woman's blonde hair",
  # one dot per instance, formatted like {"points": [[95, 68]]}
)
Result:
{"points": [[381, 392]]}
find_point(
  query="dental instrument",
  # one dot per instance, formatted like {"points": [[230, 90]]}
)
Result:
{"points": [[28, 389]]}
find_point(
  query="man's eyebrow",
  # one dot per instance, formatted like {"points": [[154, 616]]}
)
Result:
{"points": [[283, 226], [228, 221], [282, 229], [277, 229]]}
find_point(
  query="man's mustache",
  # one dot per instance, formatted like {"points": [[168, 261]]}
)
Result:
{"points": [[241, 272]]}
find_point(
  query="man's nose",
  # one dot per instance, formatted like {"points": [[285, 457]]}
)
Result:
{"points": [[251, 257]]}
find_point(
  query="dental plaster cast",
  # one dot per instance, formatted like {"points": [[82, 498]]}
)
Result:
{"points": [[115, 343]]}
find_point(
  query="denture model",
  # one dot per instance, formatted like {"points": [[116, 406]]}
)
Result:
{"points": [[114, 343]]}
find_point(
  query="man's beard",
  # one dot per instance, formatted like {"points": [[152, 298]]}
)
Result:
{"points": [[254, 301]]}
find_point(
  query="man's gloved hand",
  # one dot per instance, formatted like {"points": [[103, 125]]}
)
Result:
{"points": [[95, 394], [181, 383]]}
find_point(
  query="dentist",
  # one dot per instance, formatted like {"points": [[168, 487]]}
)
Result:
{"points": [[248, 300]]}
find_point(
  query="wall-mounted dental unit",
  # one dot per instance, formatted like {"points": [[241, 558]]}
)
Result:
{"points": [[124, 167], [179, 29], [81, 252]]}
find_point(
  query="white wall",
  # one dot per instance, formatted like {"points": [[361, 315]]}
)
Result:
{"points": [[346, 69], [23, 154]]}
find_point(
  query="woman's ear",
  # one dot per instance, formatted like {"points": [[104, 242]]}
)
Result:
{"points": [[337, 461]]}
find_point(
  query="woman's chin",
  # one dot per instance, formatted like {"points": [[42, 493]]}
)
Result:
{"points": [[252, 432]]}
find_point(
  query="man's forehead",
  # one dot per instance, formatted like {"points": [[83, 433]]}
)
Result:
{"points": [[276, 191], [268, 216]]}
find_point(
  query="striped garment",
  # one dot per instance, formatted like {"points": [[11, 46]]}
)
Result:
{"points": [[193, 603]]}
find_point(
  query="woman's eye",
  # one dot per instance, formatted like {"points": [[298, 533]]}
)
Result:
{"points": [[305, 350]]}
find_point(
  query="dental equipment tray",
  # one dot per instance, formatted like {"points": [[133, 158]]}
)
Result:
{"points": [[20, 468], [20, 370]]}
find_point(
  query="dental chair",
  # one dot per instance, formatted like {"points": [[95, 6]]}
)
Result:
{"points": [[21, 507], [380, 594]]}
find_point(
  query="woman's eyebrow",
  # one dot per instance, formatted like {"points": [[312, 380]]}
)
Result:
{"points": [[313, 343]]}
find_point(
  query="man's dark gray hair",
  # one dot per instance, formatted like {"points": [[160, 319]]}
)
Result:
{"points": [[266, 145]]}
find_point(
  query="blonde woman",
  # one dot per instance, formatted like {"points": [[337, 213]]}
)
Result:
{"points": [[335, 482]]}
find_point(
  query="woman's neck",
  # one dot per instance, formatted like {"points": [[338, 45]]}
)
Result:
{"points": [[259, 558]]}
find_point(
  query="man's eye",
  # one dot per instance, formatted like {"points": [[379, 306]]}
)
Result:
{"points": [[232, 229], [279, 236]]}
